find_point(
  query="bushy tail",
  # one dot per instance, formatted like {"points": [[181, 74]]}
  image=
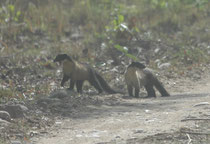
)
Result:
{"points": [[160, 88], [104, 84]]}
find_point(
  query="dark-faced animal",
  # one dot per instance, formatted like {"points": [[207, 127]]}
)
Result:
{"points": [[137, 75], [78, 72]]}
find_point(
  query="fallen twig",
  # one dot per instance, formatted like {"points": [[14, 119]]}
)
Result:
{"points": [[189, 138], [4, 44], [193, 132], [188, 119], [12, 25], [200, 104]]}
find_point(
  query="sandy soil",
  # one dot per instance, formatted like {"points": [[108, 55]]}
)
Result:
{"points": [[130, 120]]}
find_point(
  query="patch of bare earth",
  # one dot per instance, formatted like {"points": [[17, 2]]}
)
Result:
{"points": [[182, 118]]}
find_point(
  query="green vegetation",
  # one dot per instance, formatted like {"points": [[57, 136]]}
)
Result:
{"points": [[112, 22], [5, 95]]}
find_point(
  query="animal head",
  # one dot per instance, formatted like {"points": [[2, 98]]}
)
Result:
{"points": [[62, 57], [137, 65]]}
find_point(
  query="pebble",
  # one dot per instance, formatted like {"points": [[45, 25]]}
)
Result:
{"points": [[5, 115]]}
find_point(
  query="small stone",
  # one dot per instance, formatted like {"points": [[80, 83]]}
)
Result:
{"points": [[157, 61], [24, 108], [138, 131], [147, 111], [60, 94], [157, 50], [164, 65], [42, 104], [15, 142], [33, 133], [2, 122], [5, 115], [15, 111]]}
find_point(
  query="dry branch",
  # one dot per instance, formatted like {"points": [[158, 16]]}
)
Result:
{"points": [[194, 132], [195, 119]]}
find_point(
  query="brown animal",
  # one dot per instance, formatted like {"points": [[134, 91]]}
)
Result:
{"points": [[138, 75], [78, 73]]}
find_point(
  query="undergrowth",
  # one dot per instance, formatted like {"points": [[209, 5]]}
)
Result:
{"points": [[32, 32], [112, 22]]}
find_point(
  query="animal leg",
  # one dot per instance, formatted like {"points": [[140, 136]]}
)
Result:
{"points": [[79, 86], [150, 91], [71, 85], [136, 92], [65, 78], [130, 90]]}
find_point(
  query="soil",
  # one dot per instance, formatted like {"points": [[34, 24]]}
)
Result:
{"points": [[182, 118]]}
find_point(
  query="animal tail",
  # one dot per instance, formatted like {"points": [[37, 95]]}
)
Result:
{"points": [[104, 84], [160, 88]]}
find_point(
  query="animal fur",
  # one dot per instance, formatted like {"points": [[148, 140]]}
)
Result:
{"points": [[137, 75], [78, 73]]}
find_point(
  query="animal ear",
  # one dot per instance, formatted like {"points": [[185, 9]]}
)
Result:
{"points": [[69, 58], [56, 59], [140, 65], [65, 56], [61, 57]]}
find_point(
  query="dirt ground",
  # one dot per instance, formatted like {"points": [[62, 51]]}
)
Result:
{"points": [[182, 118]]}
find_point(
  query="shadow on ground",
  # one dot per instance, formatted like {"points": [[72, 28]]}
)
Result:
{"points": [[74, 105]]}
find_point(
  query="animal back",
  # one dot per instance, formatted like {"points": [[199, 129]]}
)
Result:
{"points": [[132, 77]]}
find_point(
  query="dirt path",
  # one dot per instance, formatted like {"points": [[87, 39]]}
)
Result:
{"points": [[133, 118]]}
